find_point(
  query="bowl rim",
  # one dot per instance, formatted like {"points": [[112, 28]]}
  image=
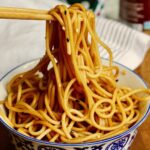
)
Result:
{"points": [[42, 142]]}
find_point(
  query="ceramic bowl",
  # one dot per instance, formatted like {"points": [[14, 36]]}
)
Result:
{"points": [[120, 142]]}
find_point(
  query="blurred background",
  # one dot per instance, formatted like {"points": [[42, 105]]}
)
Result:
{"points": [[135, 13]]}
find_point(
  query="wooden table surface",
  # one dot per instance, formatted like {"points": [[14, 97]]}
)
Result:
{"points": [[142, 140]]}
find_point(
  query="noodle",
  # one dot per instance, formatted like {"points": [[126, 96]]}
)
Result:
{"points": [[77, 99]]}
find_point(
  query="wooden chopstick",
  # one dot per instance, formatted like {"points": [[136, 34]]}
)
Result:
{"points": [[22, 10], [24, 14]]}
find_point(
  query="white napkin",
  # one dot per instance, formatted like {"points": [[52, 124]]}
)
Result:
{"points": [[129, 46], [22, 40]]}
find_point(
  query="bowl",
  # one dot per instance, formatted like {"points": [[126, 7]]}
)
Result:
{"points": [[119, 142]]}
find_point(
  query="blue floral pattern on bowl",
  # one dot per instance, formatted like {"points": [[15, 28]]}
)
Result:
{"points": [[49, 148], [99, 147], [20, 143], [119, 144]]}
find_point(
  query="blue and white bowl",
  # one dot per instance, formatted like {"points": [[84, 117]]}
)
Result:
{"points": [[120, 142]]}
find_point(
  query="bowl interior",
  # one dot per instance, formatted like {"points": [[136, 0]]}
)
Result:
{"points": [[129, 79], [5, 79]]}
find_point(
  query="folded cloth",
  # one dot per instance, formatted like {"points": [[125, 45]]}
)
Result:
{"points": [[22, 40], [129, 46]]}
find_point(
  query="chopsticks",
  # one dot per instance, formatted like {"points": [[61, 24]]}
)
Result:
{"points": [[24, 14]]}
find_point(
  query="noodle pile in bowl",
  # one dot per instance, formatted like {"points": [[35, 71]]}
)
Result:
{"points": [[70, 96]]}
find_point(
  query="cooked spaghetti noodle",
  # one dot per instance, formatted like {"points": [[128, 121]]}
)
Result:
{"points": [[70, 96]]}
